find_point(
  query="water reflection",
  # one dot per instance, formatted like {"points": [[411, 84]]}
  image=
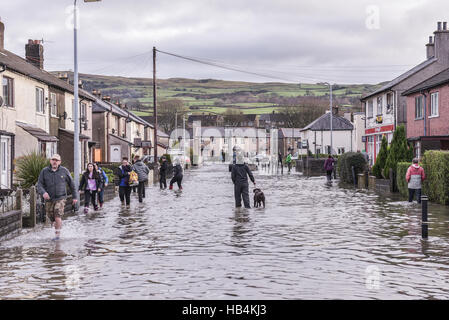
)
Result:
{"points": [[312, 241]]}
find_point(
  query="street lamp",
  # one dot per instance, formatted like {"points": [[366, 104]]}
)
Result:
{"points": [[330, 107], [76, 133]]}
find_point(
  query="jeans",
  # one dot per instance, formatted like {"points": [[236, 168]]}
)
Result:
{"points": [[101, 196], [411, 193], [90, 196], [141, 190], [124, 193], [241, 191]]}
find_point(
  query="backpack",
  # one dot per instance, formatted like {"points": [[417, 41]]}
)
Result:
{"points": [[133, 178]]}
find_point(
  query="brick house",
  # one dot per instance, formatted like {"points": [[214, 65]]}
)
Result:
{"points": [[428, 114], [386, 107]]}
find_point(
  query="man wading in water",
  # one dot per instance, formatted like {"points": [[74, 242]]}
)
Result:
{"points": [[51, 185], [239, 176]]}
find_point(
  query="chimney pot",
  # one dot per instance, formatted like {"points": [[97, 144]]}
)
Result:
{"points": [[439, 26], [445, 25], [34, 53], [430, 39], [2, 35]]}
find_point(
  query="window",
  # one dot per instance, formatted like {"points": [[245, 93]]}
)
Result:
{"points": [[378, 143], [53, 105], [83, 111], [434, 104], [341, 150], [8, 92], [418, 107], [40, 100], [370, 109], [379, 106]]}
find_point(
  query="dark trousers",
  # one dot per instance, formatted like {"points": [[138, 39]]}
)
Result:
{"points": [[177, 179], [90, 196], [411, 194], [241, 191], [329, 175], [124, 193], [163, 181], [134, 189], [141, 190]]}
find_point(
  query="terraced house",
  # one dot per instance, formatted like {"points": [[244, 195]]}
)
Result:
{"points": [[386, 108], [37, 110]]}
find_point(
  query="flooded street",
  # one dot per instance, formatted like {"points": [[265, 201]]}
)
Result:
{"points": [[310, 242]]}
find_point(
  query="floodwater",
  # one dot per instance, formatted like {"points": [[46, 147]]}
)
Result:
{"points": [[310, 242]]}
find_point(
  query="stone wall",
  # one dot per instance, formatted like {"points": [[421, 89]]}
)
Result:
{"points": [[313, 167], [10, 224]]}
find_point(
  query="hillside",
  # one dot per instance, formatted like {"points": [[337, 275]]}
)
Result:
{"points": [[215, 96]]}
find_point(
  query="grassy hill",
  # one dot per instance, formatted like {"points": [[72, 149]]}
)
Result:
{"points": [[215, 96]]}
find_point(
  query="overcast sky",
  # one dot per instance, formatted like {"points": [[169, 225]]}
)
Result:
{"points": [[353, 41]]}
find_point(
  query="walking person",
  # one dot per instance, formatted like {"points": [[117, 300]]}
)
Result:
{"points": [[280, 162], [288, 160], [52, 185], [124, 190], [239, 176], [329, 167], [415, 176], [177, 175], [91, 183], [105, 182], [142, 173], [163, 173]]}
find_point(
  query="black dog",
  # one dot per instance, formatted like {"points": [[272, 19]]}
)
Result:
{"points": [[259, 198]]}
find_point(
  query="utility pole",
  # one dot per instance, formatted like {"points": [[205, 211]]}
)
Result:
{"points": [[155, 170], [76, 133], [332, 111]]}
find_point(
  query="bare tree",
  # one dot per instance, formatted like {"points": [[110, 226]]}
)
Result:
{"points": [[232, 117], [168, 110], [301, 115]]}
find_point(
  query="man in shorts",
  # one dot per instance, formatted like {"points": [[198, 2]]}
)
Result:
{"points": [[52, 185]]}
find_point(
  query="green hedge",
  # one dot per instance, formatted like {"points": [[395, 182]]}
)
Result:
{"points": [[346, 161], [400, 177], [381, 159], [436, 167]]}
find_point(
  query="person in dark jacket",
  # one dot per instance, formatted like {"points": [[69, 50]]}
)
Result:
{"points": [[52, 185], [124, 189], [239, 176], [280, 162], [329, 167], [142, 173], [91, 183], [177, 175], [163, 173], [104, 181]]}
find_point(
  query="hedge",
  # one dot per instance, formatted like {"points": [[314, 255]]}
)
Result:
{"points": [[399, 151], [400, 178], [346, 161], [436, 168]]}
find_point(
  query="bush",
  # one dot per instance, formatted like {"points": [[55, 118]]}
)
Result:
{"points": [[29, 167], [110, 174], [401, 171], [399, 151], [436, 167], [346, 161], [381, 159]]}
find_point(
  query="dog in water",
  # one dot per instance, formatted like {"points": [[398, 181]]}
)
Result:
{"points": [[259, 198]]}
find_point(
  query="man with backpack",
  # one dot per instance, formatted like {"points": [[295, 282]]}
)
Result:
{"points": [[142, 176]]}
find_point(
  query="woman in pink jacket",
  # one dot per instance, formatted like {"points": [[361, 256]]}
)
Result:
{"points": [[415, 176]]}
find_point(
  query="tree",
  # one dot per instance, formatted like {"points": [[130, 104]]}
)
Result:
{"points": [[301, 115], [168, 111], [381, 159], [232, 117], [399, 151]]}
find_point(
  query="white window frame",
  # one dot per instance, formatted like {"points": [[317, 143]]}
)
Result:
{"points": [[40, 100], [53, 105], [434, 104], [370, 108], [379, 105], [8, 91]]}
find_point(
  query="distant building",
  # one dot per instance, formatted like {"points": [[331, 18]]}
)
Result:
{"points": [[289, 139]]}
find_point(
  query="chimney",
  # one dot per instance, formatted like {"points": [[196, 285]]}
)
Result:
{"points": [[96, 93], [441, 44], [34, 53], [430, 48], [107, 98], [2, 36], [64, 76], [80, 84]]}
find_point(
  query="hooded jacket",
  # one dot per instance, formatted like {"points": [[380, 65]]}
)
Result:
{"points": [[177, 171], [415, 176], [329, 164], [142, 170], [55, 183], [240, 173]]}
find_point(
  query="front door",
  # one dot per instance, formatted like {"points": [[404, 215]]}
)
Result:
{"points": [[116, 152], [5, 162]]}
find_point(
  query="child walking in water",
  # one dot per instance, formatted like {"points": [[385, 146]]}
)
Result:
{"points": [[177, 175]]}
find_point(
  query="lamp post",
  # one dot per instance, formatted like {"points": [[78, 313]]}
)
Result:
{"points": [[76, 133], [331, 111]]}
